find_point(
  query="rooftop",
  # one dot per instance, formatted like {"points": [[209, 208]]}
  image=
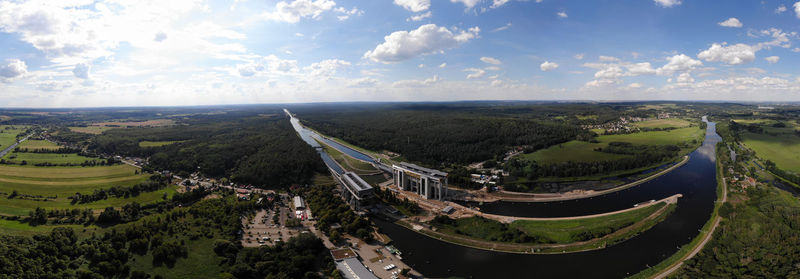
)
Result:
{"points": [[355, 181], [353, 268], [423, 170]]}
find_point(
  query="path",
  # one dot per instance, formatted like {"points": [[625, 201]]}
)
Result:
{"points": [[702, 244]]}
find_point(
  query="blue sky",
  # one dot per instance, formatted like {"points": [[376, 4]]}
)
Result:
{"points": [[193, 52]]}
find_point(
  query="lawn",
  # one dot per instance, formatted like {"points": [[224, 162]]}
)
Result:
{"points": [[784, 150], [202, 262], [562, 231], [95, 130], [10, 227], [663, 123], [38, 144], [54, 158], [581, 151], [156, 143], [58, 183]]}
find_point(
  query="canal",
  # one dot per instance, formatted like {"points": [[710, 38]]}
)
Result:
{"points": [[696, 180]]}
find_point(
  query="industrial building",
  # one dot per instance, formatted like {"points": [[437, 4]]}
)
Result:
{"points": [[355, 191], [428, 183]]}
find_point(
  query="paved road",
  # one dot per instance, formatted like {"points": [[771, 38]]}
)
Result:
{"points": [[8, 149], [702, 244]]}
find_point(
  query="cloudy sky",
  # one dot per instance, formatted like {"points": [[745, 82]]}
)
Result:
{"points": [[193, 52]]}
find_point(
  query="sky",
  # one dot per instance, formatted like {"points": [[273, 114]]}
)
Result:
{"points": [[86, 53]]}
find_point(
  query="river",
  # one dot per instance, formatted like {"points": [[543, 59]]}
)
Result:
{"points": [[696, 180]]}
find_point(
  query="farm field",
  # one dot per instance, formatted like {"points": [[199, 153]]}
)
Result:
{"points": [[156, 143], [54, 158], [784, 150], [663, 123], [55, 184], [127, 124], [95, 130], [38, 144], [584, 151], [8, 135]]}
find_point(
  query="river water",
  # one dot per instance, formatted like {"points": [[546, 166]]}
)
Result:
{"points": [[696, 180]]}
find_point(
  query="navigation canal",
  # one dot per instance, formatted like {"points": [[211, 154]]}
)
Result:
{"points": [[696, 180]]}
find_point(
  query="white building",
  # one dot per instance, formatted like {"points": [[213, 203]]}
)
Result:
{"points": [[428, 183]]}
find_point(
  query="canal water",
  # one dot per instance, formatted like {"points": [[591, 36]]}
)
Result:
{"points": [[696, 180]]}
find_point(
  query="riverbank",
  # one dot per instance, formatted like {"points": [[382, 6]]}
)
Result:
{"points": [[607, 240]]}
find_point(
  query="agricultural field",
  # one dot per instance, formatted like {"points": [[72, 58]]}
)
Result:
{"points": [[38, 144], [156, 143], [52, 186], [128, 124], [585, 151], [8, 135], [94, 130], [53, 158], [784, 150], [663, 123]]}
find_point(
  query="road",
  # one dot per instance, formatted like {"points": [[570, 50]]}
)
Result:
{"points": [[3, 153], [702, 244]]}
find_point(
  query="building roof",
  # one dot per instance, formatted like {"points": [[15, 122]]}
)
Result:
{"points": [[352, 268], [422, 170], [355, 181], [298, 201]]}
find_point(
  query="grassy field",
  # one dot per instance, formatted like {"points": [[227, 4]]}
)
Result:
{"points": [[663, 123], [349, 163], [561, 231], [54, 158], [201, 263], [156, 143], [57, 183], [38, 144], [8, 134], [95, 130], [584, 151], [784, 150], [9, 227]]}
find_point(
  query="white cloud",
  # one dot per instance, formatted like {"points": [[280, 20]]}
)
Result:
{"points": [[635, 85], [562, 14], [299, 35], [365, 82], [474, 73], [427, 39], [504, 27], [797, 8], [417, 83], [467, 3], [548, 66], [579, 56], [414, 5], [421, 66], [492, 68], [732, 55], [678, 63], [604, 58], [684, 78], [772, 59], [12, 69], [491, 60], [268, 65], [160, 36], [731, 22], [668, 3], [81, 70], [298, 9], [638, 69], [498, 3], [53, 85], [344, 14], [326, 68], [442, 65], [419, 17], [780, 9]]}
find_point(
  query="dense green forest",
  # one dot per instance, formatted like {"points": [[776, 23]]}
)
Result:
{"points": [[436, 135], [263, 151]]}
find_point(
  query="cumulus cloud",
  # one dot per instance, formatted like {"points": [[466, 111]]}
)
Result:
{"points": [[81, 70], [579, 56], [13, 68], [419, 17], [732, 54], [498, 3], [475, 73], [414, 5], [270, 65], [678, 63], [780, 9], [638, 69], [491, 60], [467, 3], [604, 58], [442, 65], [327, 68], [427, 39], [797, 8], [417, 83], [294, 11], [772, 59], [668, 3], [731, 22], [548, 66], [562, 14]]}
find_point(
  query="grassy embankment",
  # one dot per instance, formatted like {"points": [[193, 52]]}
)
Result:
{"points": [[549, 236], [367, 172], [38, 144], [8, 135]]}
